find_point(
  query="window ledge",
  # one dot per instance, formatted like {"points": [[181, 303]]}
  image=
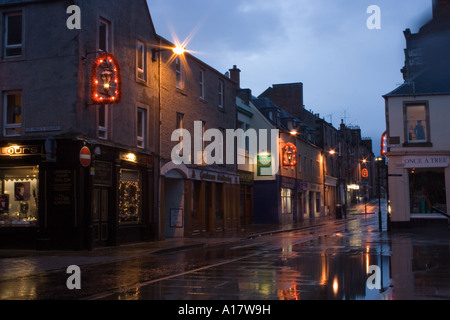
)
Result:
{"points": [[142, 81], [181, 91]]}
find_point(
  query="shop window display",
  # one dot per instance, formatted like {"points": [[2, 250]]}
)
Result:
{"points": [[130, 197], [427, 190], [19, 197]]}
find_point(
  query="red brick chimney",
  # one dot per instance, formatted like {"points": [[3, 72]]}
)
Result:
{"points": [[235, 76]]}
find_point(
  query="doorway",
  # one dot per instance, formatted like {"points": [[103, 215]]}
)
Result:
{"points": [[100, 217]]}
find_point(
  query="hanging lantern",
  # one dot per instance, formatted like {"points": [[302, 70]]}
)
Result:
{"points": [[289, 155], [106, 83]]}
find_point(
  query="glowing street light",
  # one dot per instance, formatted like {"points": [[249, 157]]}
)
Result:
{"points": [[178, 50]]}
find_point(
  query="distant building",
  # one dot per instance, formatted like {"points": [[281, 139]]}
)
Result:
{"points": [[355, 157], [348, 165], [293, 190]]}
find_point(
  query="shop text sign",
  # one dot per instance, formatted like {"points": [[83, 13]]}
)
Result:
{"points": [[426, 162], [19, 151]]}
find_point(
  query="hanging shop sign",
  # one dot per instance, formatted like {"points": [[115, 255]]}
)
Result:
{"points": [[365, 173], [264, 165], [106, 80], [289, 155]]}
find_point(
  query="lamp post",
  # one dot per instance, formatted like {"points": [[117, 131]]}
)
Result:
{"points": [[378, 160], [178, 51]]}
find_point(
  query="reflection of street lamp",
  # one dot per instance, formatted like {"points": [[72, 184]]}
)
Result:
{"points": [[378, 160]]}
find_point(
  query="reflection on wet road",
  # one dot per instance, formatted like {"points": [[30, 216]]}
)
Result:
{"points": [[330, 262]]}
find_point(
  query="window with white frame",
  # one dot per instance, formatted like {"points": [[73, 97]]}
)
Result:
{"points": [[179, 73], [141, 127], [103, 121], [13, 34], [220, 93], [12, 115], [202, 84], [104, 35], [141, 61]]}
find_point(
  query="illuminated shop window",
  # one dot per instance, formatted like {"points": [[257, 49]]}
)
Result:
{"points": [[286, 201], [427, 191], [19, 190], [130, 197]]}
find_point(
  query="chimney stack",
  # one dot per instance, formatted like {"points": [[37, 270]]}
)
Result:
{"points": [[235, 76]]}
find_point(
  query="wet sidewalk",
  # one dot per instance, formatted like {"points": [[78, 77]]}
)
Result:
{"points": [[22, 263]]}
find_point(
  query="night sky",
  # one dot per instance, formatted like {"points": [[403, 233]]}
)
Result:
{"points": [[325, 44]]}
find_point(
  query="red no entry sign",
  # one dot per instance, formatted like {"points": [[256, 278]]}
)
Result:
{"points": [[85, 157]]}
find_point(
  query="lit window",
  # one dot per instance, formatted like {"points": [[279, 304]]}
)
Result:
{"points": [[416, 123], [130, 197], [141, 61], [141, 127], [12, 116], [13, 34], [19, 192], [286, 201]]}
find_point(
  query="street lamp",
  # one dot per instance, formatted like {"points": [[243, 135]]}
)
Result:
{"points": [[378, 160], [178, 50]]}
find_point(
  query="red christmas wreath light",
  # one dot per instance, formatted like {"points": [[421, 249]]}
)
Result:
{"points": [[289, 155], [106, 80]]}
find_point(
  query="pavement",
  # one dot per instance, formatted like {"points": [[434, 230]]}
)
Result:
{"points": [[16, 264]]}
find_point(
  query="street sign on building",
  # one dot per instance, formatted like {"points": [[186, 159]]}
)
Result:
{"points": [[85, 157]]}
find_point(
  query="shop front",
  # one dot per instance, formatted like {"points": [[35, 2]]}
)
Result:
{"points": [[424, 180], [196, 200], [19, 199], [54, 196]]}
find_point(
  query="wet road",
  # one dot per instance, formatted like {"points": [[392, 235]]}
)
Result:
{"points": [[325, 262], [330, 261]]}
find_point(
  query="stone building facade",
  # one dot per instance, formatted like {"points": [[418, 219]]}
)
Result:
{"points": [[88, 168]]}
